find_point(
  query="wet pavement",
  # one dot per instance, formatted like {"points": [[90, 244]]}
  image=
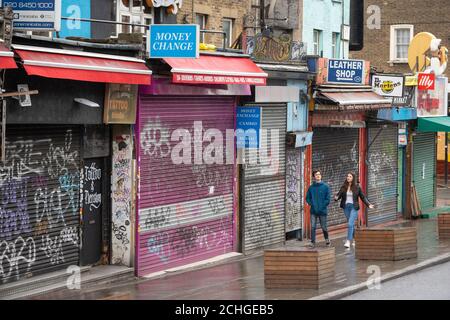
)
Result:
{"points": [[244, 279]]}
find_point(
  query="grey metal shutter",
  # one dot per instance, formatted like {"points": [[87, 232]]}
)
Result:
{"points": [[39, 201], [382, 169], [335, 152], [424, 168], [264, 186], [185, 210]]}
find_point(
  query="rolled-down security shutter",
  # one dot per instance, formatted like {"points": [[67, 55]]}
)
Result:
{"points": [[424, 168], [382, 173], [39, 201], [186, 209], [335, 152], [264, 184]]}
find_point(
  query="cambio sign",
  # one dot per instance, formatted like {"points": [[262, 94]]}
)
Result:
{"points": [[40, 15]]}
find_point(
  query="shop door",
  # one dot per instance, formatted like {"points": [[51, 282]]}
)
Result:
{"points": [[185, 201], [424, 168], [39, 201], [91, 248], [264, 190], [382, 184], [335, 152]]}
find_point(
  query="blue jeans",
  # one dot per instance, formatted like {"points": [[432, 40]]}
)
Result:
{"points": [[351, 214], [323, 224]]}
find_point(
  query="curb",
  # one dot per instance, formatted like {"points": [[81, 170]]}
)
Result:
{"points": [[338, 294]]}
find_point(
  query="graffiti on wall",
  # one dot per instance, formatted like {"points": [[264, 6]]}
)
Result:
{"points": [[39, 205], [279, 49], [293, 190], [121, 199]]}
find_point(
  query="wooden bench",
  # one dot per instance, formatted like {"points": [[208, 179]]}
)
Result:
{"points": [[444, 225], [298, 267], [386, 243]]}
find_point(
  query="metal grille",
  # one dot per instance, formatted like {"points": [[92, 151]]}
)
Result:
{"points": [[382, 173], [294, 188], [265, 185], [39, 207], [185, 210], [335, 152], [424, 168]]}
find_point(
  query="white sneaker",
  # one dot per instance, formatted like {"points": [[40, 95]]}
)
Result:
{"points": [[347, 244]]}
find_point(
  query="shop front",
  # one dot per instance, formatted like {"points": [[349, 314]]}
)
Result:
{"points": [[187, 196], [54, 186]]}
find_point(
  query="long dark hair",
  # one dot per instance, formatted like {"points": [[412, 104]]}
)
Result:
{"points": [[354, 186]]}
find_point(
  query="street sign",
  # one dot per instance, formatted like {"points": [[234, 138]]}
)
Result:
{"points": [[173, 41], [248, 124], [346, 71], [40, 15]]}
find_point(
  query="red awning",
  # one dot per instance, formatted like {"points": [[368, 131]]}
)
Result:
{"points": [[83, 66], [212, 69], [6, 58]]}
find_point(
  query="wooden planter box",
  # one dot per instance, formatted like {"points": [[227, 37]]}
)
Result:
{"points": [[444, 225], [386, 244], [300, 268]]}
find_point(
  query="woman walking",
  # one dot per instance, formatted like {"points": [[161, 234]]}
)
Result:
{"points": [[349, 194]]}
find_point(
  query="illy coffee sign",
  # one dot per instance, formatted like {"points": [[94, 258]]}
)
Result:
{"points": [[426, 81]]}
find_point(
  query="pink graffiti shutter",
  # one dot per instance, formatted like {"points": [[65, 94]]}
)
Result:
{"points": [[185, 210]]}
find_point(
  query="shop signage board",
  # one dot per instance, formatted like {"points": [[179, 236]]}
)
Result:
{"points": [[339, 71], [120, 104], [346, 71], [388, 85], [40, 15], [173, 41], [432, 102], [426, 81], [248, 125]]}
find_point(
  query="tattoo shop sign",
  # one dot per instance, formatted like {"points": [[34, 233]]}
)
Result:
{"points": [[41, 15], [173, 41]]}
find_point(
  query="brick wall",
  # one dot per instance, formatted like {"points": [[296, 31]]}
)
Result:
{"points": [[431, 16], [216, 10]]}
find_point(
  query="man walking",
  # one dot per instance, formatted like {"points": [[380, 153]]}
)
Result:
{"points": [[318, 197]]}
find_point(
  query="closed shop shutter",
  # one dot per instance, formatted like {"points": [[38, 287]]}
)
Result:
{"points": [[424, 168], [335, 152], [39, 201], [264, 184], [185, 210], [382, 173]]}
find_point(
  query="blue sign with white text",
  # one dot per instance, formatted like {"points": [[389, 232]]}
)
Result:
{"points": [[248, 124], [346, 71], [35, 14], [76, 9], [173, 41]]}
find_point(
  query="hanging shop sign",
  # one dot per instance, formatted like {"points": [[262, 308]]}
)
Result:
{"points": [[173, 41], [402, 135], [388, 86], [432, 102], [248, 125], [338, 71], [120, 103], [406, 100], [41, 15], [426, 81]]}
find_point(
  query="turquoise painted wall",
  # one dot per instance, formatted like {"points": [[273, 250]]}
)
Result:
{"points": [[325, 15]]}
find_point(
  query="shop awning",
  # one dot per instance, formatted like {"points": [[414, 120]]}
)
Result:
{"points": [[6, 58], [83, 66], [434, 124], [215, 69], [351, 100]]}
